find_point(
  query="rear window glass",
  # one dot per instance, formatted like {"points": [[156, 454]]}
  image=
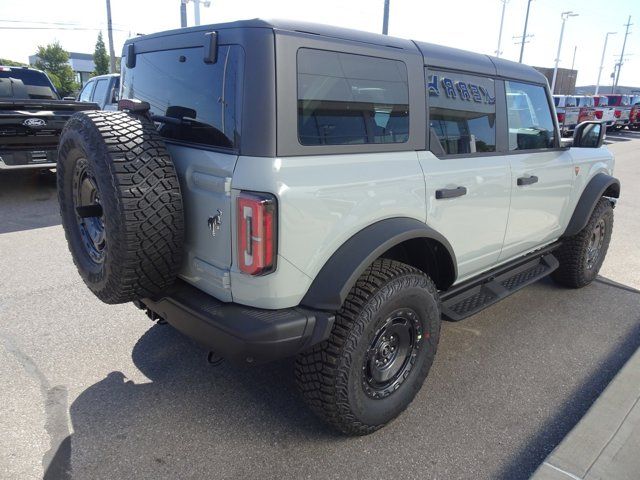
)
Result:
{"points": [[346, 99], [462, 113], [198, 100], [25, 83]]}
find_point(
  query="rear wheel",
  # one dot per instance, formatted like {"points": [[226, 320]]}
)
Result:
{"points": [[379, 352], [581, 255]]}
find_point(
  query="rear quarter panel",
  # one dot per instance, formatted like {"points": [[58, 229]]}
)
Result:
{"points": [[323, 200]]}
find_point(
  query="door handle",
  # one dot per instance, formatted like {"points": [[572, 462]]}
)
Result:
{"points": [[527, 180], [450, 192]]}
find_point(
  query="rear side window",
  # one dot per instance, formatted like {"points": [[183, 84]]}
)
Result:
{"points": [[529, 117], [100, 90], [462, 113], [199, 100], [85, 94], [347, 99]]}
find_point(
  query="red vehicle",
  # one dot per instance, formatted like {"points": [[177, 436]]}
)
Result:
{"points": [[587, 108], [622, 111], [604, 112]]}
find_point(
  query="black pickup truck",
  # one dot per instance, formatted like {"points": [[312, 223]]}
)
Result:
{"points": [[31, 118]]}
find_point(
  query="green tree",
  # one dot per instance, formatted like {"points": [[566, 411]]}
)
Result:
{"points": [[100, 57], [54, 60], [10, 63]]}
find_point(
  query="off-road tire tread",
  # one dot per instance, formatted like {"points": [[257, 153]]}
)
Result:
{"points": [[571, 255], [321, 375], [148, 228]]}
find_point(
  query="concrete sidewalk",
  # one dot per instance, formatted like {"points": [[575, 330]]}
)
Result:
{"points": [[605, 444]]}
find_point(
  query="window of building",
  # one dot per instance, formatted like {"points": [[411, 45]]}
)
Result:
{"points": [[199, 99], [529, 117], [462, 113], [346, 99]]}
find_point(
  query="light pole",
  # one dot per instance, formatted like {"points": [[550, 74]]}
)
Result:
{"points": [[565, 16], [196, 9], [604, 50], [524, 33], [624, 44], [504, 6], [385, 18]]}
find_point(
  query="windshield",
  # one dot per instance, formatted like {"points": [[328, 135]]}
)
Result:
{"points": [[585, 101], [25, 83], [602, 101]]}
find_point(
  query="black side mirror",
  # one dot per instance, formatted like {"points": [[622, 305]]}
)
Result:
{"points": [[589, 135]]}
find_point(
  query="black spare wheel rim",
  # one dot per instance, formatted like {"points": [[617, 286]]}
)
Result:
{"points": [[595, 243], [392, 353], [89, 215]]}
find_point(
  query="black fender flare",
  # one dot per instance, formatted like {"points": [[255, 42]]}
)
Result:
{"points": [[600, 185], [336, 278]]}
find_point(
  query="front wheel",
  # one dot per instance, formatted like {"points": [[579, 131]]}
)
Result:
{"points": [[379, 352], [581, 255]]}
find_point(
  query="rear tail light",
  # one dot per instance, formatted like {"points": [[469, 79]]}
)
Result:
{"points": [[617, 113], [599, 114], [561, 117], [257, 232]]}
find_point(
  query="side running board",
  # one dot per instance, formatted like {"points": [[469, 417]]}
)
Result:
{"points": [[469, 298]]}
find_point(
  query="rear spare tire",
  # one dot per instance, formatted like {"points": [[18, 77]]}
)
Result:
{"points": [[120, 204]]}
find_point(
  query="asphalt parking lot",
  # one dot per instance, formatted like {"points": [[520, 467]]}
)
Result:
{"points": [[97, 391]]}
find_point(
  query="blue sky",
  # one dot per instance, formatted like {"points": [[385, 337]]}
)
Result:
{"points": [[467, 24]]}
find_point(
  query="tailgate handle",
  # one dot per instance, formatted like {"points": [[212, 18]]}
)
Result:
{"points": [[527, 180], [450, 192]]}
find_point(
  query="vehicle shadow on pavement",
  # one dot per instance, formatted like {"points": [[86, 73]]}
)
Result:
{"points": [[507, 385], [27, 200], [187, 410], [552, 432]]}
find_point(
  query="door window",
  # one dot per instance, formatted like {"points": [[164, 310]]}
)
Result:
{"points": [[85, 94], [529, 117], [100, 91], [348, 99], [462, 113]]}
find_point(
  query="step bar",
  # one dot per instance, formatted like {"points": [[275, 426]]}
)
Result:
{"points": [[474, 295]]}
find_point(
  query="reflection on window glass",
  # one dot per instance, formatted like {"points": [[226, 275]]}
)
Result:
{"points": [[529, 117], [462, 113], [351, 99], [85, 94], [100, 90], [200, 98]]}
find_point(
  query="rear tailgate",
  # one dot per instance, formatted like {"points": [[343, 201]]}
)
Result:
{"points": [[35, 124]]}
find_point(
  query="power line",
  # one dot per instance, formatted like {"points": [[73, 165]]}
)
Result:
{"points": [[57, 28]]}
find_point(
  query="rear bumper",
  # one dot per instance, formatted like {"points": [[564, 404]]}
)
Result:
{"points": [[20, 160], [241, 334]]}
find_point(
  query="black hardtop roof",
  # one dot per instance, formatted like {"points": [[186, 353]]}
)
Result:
{"points": [[434, 55]]}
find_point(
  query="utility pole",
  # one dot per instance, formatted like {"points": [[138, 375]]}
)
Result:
{"points": [[604, 50], [112, 55], [573, 62], [524, 32], [504, 6], [385, 19], [183, 13], [565, 16], [624, 44]]}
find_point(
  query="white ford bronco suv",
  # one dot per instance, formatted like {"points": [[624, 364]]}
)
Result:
{"points": [[277, 189]]}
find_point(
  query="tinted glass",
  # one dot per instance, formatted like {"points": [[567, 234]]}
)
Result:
{"points": [[25, 83], [351, 99], [100, 90], [529, 117], [601, 101], [85, 94], [462, 112], [199, 99]]}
